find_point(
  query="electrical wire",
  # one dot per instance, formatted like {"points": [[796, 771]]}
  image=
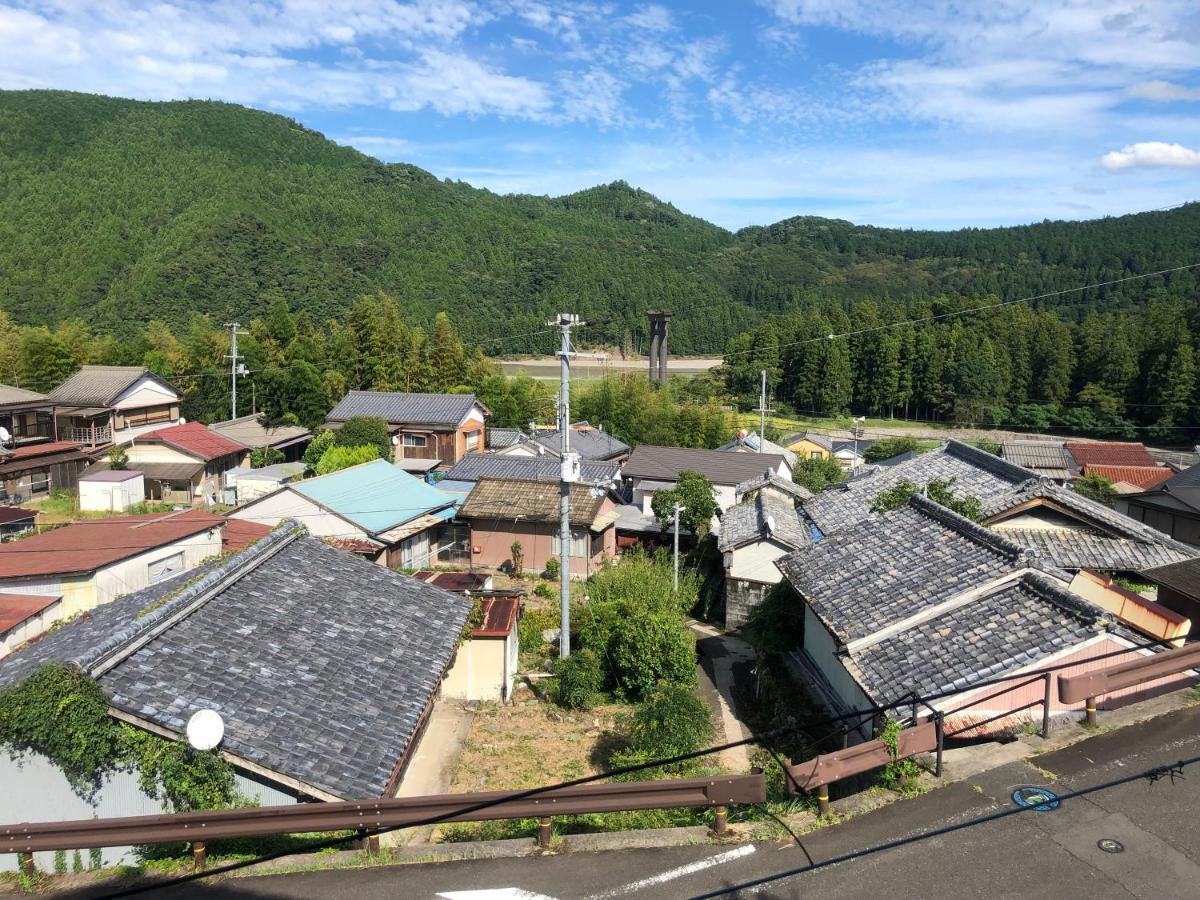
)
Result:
{"points": [[1153, 775]]}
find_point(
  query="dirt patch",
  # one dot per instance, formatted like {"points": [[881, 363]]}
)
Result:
{"points": [[532, 743]]}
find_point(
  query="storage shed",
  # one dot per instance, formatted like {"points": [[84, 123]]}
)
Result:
{"points": [[111, 491]]}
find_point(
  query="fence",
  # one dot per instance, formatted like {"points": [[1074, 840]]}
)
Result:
{"points": [[819, 773], [365, 816]]}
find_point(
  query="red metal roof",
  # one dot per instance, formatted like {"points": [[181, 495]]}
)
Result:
{"points": [[238, 534], [499, 616], [29, 451], [1110, 453], [10, 514], [454, 581], [195, 440], [87, 546], [16, 608], [1144, 477]]}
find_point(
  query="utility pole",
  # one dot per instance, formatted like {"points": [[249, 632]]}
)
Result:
{"points": [[568, 475], [234, 368], [762, 413], [678, 510], [855, 424]]}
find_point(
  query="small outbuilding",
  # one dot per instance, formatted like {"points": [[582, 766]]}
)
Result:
{"points": [[110, 490]]}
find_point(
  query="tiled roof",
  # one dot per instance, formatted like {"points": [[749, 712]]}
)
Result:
{"points": [[861, 445], [1010, 628], [799, 491], [1047, 458], [887, 567], [250, 432], [10, 395], [1081, 548], [499, 438], [320, 663], [1182, 489], [100, 385], [376, 496], [589, 443], [1181, 576], [973, 472], [194, 439], [1109, 453], [474, 466], [1144, 477], [89, 545], [718, 466], [750, 444], [821, 440], [531, 501], [767, 517], [402, 409], [16, 608]]}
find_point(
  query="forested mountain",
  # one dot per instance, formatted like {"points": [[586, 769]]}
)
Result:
{"points": [[119, 212]]}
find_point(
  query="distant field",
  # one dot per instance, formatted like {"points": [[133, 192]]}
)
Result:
{"points": [[587, 367]]}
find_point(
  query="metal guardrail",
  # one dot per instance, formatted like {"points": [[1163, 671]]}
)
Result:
{"points": [[1090, 686], [830, 767], [717, 792]]}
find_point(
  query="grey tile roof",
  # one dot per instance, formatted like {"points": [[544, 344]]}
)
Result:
{"points": [[1045, 457], [248, 430], [100, 385], [1011, 628], [474, 466], [531, 501], [799, 491], [589, 443], [398, 408], [499, 438], [320, 663], [1181, 576], [975, 473], [12, 396], [718, 466], [1082, 548], [752, 521], [889, 567], [750, 444]]}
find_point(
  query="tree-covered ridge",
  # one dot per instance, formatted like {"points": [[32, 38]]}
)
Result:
{"points": [[120, 212]]}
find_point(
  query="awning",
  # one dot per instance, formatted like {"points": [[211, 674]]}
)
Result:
{"points": [[415, 526], [159, 471]]}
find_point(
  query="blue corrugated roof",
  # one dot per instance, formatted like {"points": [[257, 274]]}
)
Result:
{"points": [[375, 496]]}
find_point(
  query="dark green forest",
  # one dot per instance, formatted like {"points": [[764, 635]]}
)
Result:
{"points": [[118, 212]]}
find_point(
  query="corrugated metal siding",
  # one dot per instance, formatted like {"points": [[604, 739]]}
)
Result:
{"points": [[33, 789]]}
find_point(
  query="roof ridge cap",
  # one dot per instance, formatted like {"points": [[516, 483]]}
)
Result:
{"points": [[997, 465], [1067, 600], [972, 531], [189, 598]]}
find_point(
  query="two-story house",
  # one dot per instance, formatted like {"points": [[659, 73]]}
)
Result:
{"points": [[102, 405], [431, 427], [25, 417]]}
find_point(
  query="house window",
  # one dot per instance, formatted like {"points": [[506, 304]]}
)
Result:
{"points": [[815, 454], [578, 544], [149, 415], [415, 440], [163, 569], [473, 440]]}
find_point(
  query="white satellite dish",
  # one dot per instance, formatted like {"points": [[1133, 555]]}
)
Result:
{"points": [[205, 729], [5, 437]]}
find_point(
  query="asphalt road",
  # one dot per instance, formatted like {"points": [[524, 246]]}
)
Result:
{"points": [[1034, 854]]}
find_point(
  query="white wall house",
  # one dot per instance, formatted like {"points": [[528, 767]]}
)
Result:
{"points": [[111, 491], [113, 404]]}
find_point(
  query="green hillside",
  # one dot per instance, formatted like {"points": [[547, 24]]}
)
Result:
{"points": [[118, 212]]}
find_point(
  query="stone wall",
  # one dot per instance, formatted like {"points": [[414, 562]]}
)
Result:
{"points": [[741, 598]]}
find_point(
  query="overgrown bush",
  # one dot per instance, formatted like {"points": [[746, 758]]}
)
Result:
{"points": [[889, 447], [337, 458], [118, 459], [647, 579], [533, 623], [363, 431], [580, 679], [642, 648], [673, 721], [543, 590], [316, 448], [815, 474], [261, 457]]}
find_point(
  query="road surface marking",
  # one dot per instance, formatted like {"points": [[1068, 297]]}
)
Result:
{"points": [[672, 874], [494, 894]]}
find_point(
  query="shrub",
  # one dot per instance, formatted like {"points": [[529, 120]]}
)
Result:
{"points": [[646, 647], [361, 431], [889, 447], [939, 491], [814, 474], [580, 679], [533, 622], [672, 721], [337, 458], [260, 457], [316, 448], [553, 570], [696, 494], [646, 579], [516, 555], [118, 459], [543, 590], [1095, 487]]}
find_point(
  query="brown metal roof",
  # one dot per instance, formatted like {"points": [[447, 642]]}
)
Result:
{"points": [[17, 608], [159, 471], [718, 466], [499, 616], [530, 501], [454, 581]]}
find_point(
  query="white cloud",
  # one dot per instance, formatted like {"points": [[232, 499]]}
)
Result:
{"points": [[652, 18], [1163, 92], [1151, 155], [452, 84], [594, 96]]}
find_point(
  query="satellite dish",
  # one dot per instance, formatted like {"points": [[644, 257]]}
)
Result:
{"points": [[5, 437], [395, 440], [205, 729], [182, 420]]}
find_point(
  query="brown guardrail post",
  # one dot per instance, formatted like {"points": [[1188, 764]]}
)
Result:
{"points": [[25, 863], [1089, 707], [940, 722], [373, 845], [822, 794], [1046, 707], [543, 837], [720, 820], [199, 855]]}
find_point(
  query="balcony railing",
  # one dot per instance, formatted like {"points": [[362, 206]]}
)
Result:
{"points": [[93, 436]]}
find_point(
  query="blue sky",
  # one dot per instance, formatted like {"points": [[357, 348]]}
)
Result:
{"points": [[934, 114]]}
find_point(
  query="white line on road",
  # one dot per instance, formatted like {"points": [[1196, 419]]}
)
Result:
{"points": [[511, 893], [672, 874]]}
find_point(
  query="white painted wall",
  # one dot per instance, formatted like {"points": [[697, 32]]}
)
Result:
{"points": [[157, 453], [145, 392], [822, 649], [724, 494], [756, 562], [111, 496], [28, 630], [287, 504]]}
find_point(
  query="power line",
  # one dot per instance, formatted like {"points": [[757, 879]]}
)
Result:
{"points": [[1153, 774]]}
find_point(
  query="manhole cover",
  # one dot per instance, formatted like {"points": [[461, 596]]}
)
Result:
{"points": [[1110, 845], [1040, 798]]}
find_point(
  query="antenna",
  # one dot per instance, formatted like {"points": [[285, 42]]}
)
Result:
{"points": [[205, 729]]}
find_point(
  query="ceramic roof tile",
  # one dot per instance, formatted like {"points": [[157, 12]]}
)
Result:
{"points": [[718, 466], [589, 443], [531, 501], [767, 516], [1111, 453], [784, 485], [400, 408], [474, 466], [100, 385]]}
